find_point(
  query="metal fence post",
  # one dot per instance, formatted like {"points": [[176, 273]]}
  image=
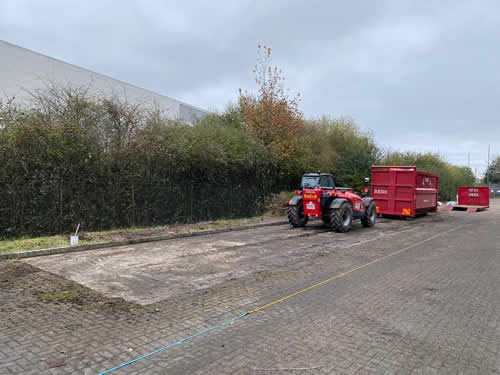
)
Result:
{"points": [[191, 203], [133, 203], [61, 204], [231, 200]]}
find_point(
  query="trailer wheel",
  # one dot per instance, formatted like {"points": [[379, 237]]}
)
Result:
{"points": [[296, 216], [341, 218], [370, 216]]}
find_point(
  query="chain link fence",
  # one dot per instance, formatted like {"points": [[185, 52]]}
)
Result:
{"points": [[36, 207]]}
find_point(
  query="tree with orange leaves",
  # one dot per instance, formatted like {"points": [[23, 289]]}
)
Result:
{"points": [[272, 116]]}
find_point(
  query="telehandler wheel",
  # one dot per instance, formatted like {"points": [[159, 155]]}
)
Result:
{"points": [[370, 216], [296, 215], [341, 218]]}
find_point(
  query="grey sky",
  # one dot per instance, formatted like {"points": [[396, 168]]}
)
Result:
{"points": [[423, 76]]}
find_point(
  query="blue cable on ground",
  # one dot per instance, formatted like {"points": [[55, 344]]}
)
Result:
{"points": [[174, 344]]}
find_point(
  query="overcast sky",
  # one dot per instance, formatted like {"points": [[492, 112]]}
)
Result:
{"points": [[423, 76]]}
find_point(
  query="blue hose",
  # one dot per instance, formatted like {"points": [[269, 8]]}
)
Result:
{"points": [[174, 344]]}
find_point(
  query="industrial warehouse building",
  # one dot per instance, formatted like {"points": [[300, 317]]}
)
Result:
{"points": [[23, 71]]}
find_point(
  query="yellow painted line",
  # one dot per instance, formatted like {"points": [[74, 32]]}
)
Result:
{"points": [[351, 271]]}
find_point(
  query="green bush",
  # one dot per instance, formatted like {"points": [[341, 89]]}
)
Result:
{"points": [[450, 176], [69, 157], [335, 146]]}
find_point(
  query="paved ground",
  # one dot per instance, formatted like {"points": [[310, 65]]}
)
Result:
{"points": [[152, 272], [431, 309]]}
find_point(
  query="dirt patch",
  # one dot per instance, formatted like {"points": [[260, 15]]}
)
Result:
{"points": [[23, 285], [10, 245], [131, 234], [119, 236]]}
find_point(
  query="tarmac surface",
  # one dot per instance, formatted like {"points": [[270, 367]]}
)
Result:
{"points": [[419, 297]]}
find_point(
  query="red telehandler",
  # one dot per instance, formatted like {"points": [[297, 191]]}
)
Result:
{"points": [[336, 206]]}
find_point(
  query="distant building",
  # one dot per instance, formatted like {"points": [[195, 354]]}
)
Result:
{"points": [[23, 71]]}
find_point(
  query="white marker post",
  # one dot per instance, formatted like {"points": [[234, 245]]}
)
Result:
{"points": [[74, 239]]}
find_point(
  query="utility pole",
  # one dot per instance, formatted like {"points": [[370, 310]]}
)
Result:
{"points": [[468, 160], [488, 167]]}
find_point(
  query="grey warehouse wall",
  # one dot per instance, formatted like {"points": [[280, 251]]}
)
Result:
{"points": [[22, 71]]}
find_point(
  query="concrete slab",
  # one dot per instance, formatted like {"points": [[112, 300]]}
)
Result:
{"points": [[151, 272]]}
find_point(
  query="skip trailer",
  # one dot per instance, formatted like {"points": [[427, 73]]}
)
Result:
{"points": [[402, 191], [472, 199]]}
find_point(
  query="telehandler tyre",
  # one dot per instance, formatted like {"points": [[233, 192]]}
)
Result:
{"points": [[296, 215], [341, 218], [370, 216]]}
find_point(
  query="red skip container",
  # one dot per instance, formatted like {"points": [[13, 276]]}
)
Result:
{"points": [[474, 196], [404, 191]]}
